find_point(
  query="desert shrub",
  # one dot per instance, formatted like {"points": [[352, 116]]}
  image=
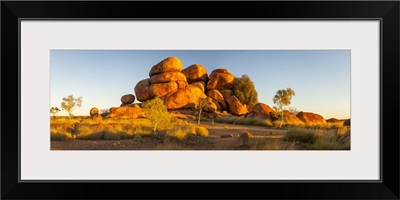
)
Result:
{"points": [[245, 91], [300, 135], [60, 136], [108, 135], [342, 130], [157, 112], [328, 140], [201, 131], [97, 135], [272, 145]]}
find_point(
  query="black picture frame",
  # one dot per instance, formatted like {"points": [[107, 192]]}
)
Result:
{"points": [[386, 11]]}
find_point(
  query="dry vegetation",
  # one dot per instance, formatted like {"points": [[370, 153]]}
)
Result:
{"points": [[183, 133]]}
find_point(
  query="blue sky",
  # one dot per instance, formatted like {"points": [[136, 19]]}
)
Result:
{"points": [[320, 78]]}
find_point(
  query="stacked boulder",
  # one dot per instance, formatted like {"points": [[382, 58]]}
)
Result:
{"points": [[181, 89], [127, 100], [262, 111]]}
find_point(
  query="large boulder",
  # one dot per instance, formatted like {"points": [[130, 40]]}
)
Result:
{"points": [[220, 79], [262, 111], [142, 90], [211, 105], [195, 72], [94, 112], [185, 98], [235, 106], [162, 89], [170, 64], [215, 94], [126, 112], [167, 77], [226, 93], [263, 108], [311, 118], [128, 98], [292, 119], [200, 84]]}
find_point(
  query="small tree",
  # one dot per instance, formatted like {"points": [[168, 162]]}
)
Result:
{"points": [[200, 106], [70, 103], [54, 111], [245, 91], [157, 112], [281, 99]]}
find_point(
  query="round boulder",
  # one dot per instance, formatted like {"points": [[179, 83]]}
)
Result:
{"points": [[128, 98], [195, 72], [215, 94], [94, 112], [200, 84], [185, 98], [162, 89], [142, 90], [220, 79], [167, 77], [226, 93], [311, 118], [170, 64]]}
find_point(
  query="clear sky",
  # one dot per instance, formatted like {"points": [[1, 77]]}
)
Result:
{"points": [[320, 78]]}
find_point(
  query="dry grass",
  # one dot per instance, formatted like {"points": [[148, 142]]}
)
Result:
{"points": [[272, 144]]}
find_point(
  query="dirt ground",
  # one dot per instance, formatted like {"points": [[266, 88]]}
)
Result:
{"points": [[213, 142]]}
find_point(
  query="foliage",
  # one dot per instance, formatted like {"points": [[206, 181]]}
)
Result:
{"points": [[282, 99], [200, 106], [54, 111], [69, 103], [157, 112], [245, 91], [300, 135]]}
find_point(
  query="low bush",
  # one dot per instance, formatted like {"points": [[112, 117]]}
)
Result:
{"points": [[300, 135]]}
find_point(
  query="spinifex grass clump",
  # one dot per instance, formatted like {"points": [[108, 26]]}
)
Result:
{"points": [[300, 135]]}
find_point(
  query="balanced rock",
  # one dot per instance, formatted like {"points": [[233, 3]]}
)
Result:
{"points": [[215, 94], [185, 98], [226, 93], [167, 77], [195, 72], [128, 98], [162, 89], [311, 118], [94, 112], [170, 64], [126, 112], [200, 84], [235, 106], [142, 90], [220, 79]]}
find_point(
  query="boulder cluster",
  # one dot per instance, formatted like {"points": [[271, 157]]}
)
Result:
{"points": [[182, 88]]}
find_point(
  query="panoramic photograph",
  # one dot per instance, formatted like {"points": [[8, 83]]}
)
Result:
{"points": [[200, 100]]}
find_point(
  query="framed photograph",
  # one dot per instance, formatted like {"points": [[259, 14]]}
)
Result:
{"points": [[301, 98]]}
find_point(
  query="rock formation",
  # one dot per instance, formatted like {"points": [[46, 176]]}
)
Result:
{"points": [[311, 118], [220, 79], [94, 112], [195, 72]]}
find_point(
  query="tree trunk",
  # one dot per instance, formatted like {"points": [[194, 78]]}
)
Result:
{"points": [[280, 126], [198, 121]]}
